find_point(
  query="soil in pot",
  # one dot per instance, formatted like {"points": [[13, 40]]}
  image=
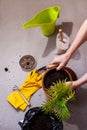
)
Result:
{"points": [[35, 119], [53, 76]]}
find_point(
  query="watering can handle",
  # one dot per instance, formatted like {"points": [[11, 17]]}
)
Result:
{"points": [[59, 12]]}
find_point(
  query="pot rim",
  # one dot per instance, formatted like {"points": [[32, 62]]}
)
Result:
{"points": [[66, 69]]}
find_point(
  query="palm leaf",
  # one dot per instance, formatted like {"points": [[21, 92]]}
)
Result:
{"points": [[61, 94]]}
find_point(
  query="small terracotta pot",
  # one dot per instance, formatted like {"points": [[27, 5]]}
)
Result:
{"points": [[52, 76]]}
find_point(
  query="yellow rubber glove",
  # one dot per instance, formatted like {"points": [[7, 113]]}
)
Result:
{"points": [[32, 83]]}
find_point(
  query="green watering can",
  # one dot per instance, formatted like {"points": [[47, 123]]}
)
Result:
{"points": [[46, 19]]}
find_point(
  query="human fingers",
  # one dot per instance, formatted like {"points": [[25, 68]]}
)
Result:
{"points": [[70, 83], [61, 65], [73, 84]]}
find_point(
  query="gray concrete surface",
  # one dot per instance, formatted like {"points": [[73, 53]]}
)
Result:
{"points": [[16, 42]]}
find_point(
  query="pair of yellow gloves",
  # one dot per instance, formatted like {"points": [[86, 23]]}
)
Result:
{"points": [[32, 83]]}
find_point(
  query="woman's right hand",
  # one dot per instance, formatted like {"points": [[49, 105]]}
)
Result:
{"points": [[75, 84]]}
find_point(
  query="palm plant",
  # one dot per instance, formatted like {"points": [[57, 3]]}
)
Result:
{"points": [[61, 93]]}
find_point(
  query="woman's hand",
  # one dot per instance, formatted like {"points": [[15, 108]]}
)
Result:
{"points": [[75, 84], [59, 61]]}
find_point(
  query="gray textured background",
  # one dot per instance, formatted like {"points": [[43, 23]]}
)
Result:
{"points": [[16, 42]]}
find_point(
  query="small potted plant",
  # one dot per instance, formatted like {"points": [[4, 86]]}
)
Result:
{"points": [[52, 76], [57, 92], [60, 94]]}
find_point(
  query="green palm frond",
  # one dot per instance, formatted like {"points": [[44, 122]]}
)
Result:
{"points": [[61, 94], [62, 111], [48, 106]]}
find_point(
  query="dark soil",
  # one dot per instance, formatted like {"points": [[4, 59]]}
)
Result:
{"points": [[36, 119], [6, 69], [53, 76], [44, 122]]}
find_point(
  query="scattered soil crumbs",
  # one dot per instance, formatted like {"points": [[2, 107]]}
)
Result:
{"points": [[6, 69]]}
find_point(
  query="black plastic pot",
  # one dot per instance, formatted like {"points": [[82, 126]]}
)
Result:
{"points": [[36, 119]]}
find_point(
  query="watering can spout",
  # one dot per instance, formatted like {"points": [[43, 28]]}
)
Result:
{"points": [[46, 19]]}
